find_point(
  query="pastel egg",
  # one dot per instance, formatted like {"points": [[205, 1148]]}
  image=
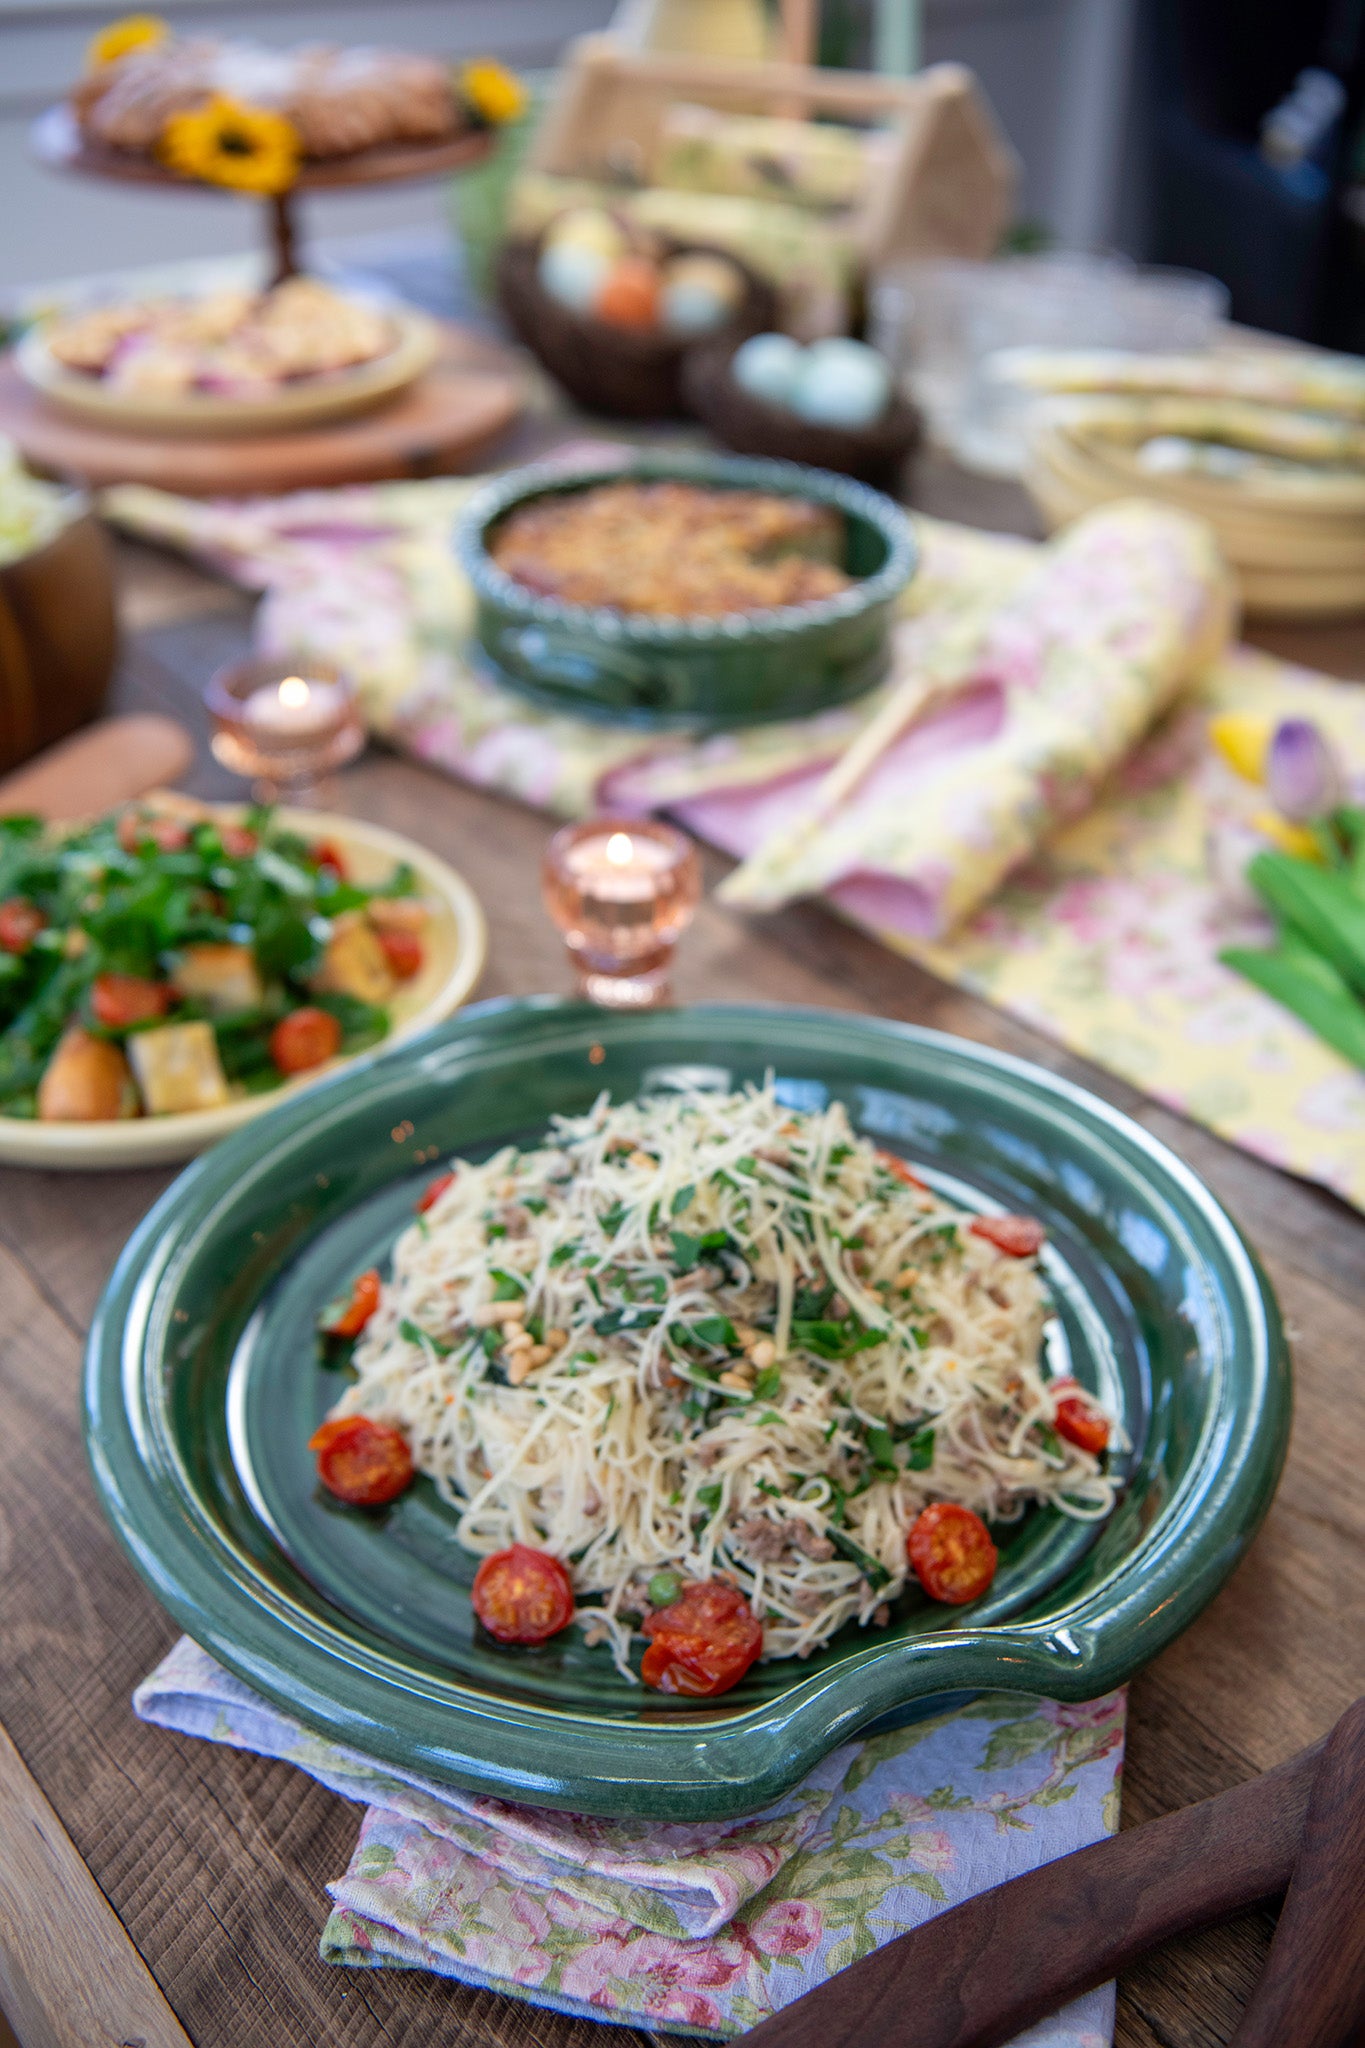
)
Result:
{"points": [[572, 274], [842, 384], [768, 366], [699, 293], [587, 227]]}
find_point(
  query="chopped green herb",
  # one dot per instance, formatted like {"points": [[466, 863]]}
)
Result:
{"points": [[682, 1198], [507, 1286], [413, 1334], [768, 1384], [881, 1449], [709, 1497], [921, 1450], [562, 1253]]}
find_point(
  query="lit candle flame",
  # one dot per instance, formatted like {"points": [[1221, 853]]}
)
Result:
{"points": [[620, 851], [294, 693]]}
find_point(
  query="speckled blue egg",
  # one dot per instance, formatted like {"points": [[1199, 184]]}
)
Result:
{"points": [[572, 274], [699, 293], [842, 383], [768, 366]]}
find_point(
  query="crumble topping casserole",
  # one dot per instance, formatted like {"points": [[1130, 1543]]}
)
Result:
{"points": [[676, 550]]}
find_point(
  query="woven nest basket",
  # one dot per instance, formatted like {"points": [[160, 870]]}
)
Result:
{"points": [[608, 369], [749, 425]]}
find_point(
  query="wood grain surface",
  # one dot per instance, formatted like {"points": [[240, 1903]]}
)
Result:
{"points": [[216, 1862]]}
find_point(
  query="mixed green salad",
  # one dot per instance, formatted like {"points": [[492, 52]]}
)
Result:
{"points": [[169, 958]]}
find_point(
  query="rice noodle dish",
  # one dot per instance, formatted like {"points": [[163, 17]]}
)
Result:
{"points": [[714, 1372]]}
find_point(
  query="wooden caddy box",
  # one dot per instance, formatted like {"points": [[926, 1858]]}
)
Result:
{"points": [[947, 191]]}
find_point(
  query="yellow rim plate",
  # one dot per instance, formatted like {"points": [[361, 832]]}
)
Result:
{"points": [[456, 945]]}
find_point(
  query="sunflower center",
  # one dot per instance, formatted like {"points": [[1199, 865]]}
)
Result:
{"points": [[235, 142]]}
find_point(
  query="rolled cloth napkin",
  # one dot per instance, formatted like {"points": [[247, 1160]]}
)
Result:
{"points": [[1047, 699], [699, 1928]]}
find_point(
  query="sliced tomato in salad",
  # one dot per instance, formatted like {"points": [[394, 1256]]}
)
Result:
{"points": [[20, 924], [1078, 1419], [404, 952], [118, 1001], [365, 1463], [237, 842], [703, 1643], [1019, 1237], [327, 854], [895, 1165], [348, 1315], [304, 1039], [522, 1595], [167, 835], [433, 1192], [952, 1553]]}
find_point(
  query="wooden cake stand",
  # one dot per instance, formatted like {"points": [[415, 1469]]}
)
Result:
{"points": [[57, 141]]}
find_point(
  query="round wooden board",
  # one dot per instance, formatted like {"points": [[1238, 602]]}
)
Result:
{"points": [[443, 422], [57, 142]]}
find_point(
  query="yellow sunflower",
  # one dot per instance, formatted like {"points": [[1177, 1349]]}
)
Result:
{"points": [[250, 149], [491, 92], [131, 32]]}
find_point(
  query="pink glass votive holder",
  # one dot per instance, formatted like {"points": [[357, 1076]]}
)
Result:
{"points": [[622, 891], [282, 725]]}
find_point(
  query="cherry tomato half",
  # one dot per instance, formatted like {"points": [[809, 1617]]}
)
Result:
{"points": [[433, 1192], [348, 1316], [404, 953], [237, 842], [894, 1164], [363, 1463], [952, 1553], [20, 924], [703, 1643], [1078, 1419], [522, 1595], [168, 835], [326, 854], [118, 1001], [304, 1039], [1019, 1237]]}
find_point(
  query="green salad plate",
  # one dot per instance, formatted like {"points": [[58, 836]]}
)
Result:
{"points": [[204, 1382]]}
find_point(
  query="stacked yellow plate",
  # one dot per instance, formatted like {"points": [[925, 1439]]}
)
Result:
{"points": [[1270, 448]]}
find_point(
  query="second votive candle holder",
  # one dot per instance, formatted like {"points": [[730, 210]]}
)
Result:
{"points": [[622, 891]]}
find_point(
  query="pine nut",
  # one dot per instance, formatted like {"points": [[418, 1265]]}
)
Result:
{"points": [[763, 1353]]}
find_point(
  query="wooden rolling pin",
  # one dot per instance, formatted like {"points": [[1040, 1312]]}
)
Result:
{"points": [[103, 765], [977, 1975]]}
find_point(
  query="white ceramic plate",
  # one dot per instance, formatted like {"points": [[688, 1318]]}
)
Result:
{"points": [[307, 403], [456, 940]]}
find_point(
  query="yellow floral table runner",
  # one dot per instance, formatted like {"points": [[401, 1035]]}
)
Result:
{"points": [[1106, 939]]}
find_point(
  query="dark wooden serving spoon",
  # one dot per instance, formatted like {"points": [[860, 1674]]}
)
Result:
{"points": [[977, 1975]]}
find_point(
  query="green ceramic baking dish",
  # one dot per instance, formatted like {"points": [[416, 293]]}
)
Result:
{"points": [[734, 669]]}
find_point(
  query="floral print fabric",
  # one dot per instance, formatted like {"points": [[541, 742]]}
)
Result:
{"points": [[701, 1928]]}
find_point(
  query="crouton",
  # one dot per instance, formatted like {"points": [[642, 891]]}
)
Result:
{"points": [[86, 1081], [178, 1068], [354, 964], [224, 977]]}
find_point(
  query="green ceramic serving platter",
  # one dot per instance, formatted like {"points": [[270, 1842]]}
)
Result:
{"points": [[204, 1383], [735, 669]]}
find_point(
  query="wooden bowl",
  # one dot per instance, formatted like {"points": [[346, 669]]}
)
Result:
{"points": [[607, 369], [58, 639], [749, 425]]}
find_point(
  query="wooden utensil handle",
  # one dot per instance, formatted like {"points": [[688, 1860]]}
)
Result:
{"points": [[975, 1976], [1312, 1992]]}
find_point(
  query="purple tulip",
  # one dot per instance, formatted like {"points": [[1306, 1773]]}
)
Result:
{"points": [[1302, 772]]}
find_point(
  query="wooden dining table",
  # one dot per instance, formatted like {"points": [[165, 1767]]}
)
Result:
{"points": [[154, 1888]]}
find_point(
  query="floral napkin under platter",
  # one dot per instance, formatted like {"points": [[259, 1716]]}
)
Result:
{"points": [[700, 1928], [1106, 929]]}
